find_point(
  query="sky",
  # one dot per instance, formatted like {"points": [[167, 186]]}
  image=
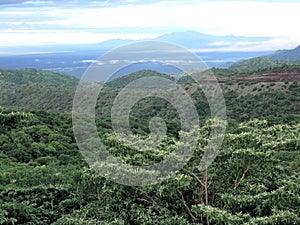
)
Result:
{"points": [[49, 22]]}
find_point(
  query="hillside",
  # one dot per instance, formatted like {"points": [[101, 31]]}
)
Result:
{"points": [[247, 96], [36, 89], [277, 59], [29, 76], [122, 81], [293, 54], [46, 180], [42, 96], [263, 63]]}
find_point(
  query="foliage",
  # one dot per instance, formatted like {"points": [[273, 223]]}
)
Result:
{"points": [[121, 82], [30, 75], [254, 180], [273, 100], [264, 64]]}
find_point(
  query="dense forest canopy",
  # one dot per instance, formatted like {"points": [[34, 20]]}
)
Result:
{"points": [[44, 178]]}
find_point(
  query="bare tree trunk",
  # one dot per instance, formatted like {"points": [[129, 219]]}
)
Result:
{"points": [[206, 187], [243, 176], [186, 206], [206, 191]]}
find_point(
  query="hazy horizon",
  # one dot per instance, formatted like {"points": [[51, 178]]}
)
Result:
{"points": [[53, 22]]}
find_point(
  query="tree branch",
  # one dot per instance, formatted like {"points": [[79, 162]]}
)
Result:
{"points": [[206, 192], [242, 177], [186, 206], [152, 200], [195, 176]]}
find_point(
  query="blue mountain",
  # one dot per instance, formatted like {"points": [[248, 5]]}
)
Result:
{"points": [[293, 54]]}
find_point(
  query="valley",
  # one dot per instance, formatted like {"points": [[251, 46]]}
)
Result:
{"points": [[46, 179]]}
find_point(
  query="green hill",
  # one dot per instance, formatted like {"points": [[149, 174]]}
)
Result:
{"points": [[29, 76], [293, 54], [264, 64], [121, 82], [42, 96], [245, 97], [277, 59], [36, 89]]}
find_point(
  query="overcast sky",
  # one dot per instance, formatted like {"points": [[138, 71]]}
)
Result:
{"points": [[36, 22]]}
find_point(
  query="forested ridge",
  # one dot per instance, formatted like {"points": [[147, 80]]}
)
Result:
{"points": [[245, 98], [254, 180]]}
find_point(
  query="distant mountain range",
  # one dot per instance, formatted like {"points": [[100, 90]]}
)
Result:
{"points": [[190, 39], [279, 58], [293, 54], [215, 51], [194, 41]]}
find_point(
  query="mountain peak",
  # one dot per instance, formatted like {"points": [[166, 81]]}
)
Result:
{"points": [[292, 54], [184, 35], [194, 40]]}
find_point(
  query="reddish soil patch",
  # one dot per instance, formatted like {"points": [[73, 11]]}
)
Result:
{"points": [[268, 77]]}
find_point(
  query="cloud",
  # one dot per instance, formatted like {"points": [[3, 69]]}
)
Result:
{"points": [[9, 2], [85, 3], [136, 18], [113, 3], [45, 37]]}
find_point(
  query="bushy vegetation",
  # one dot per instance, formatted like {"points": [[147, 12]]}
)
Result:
{"points": [[59, 97], [44, 179], [30, 75], [121, 82], [261, 65], [36, 89]]}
